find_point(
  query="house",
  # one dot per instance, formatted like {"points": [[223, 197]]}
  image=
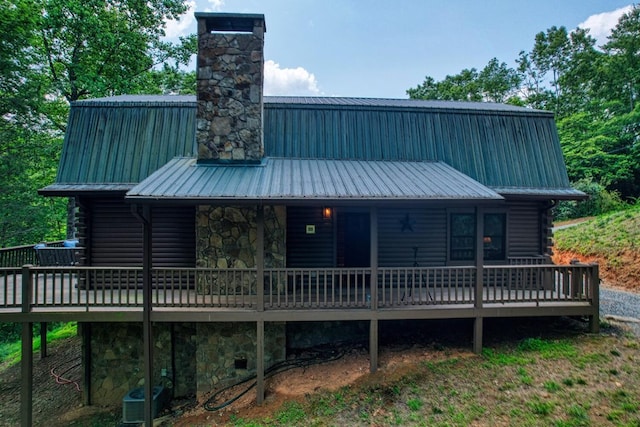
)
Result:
{"points": [[224, 226]]}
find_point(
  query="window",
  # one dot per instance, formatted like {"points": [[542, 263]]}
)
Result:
{"points": [[463, 236], [462, 231], [494, 236]]}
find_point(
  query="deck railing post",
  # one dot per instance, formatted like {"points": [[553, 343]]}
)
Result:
{"points": [[27, 288], [594, 319]]}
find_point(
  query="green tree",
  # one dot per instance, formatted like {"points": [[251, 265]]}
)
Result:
{"points": [[53, 52], [604, 150], [495, 83], [499, 83], [623, 48]]}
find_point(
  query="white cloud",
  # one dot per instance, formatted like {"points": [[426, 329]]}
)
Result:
{"points": [[214, 5], [288, 81], [178, 28], [601, 24], [186, 24]]}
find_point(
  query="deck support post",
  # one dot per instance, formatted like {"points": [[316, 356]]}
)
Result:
{"points": [[43, 340], [26, 371], [477, 335], [144, 215], [373, 345], [26, 361], [260, 362], [477, 326], [373, 263], [85, 329]]}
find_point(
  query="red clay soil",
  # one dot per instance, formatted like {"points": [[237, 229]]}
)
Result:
{"points": [[625, 274]]}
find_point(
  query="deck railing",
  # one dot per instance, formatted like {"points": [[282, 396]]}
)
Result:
{"points": [[18, 256], [317, 288], [91, 288]]}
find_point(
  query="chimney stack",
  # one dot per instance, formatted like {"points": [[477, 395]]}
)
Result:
{"points": [[230, 77]]}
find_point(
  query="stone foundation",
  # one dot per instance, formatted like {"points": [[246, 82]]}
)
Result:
{"points": [[227, 352], [196, 357], [117, 357]]}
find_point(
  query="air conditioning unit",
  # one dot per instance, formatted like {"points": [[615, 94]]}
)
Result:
{"points": [[133, 404]]}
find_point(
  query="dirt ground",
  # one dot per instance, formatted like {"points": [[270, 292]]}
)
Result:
{"points": [[53, 402], [625, 275], [57, 404]]}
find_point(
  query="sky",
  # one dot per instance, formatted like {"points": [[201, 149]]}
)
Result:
{"points": [[381, 48]]}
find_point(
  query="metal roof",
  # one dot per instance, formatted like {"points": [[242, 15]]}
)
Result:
{"points": [[310, 179], [318, 101], [332, 102], [69, 189], [546, 193], [123, 139]]}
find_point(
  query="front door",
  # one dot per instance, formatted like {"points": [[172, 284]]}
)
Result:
{"points": [[354, 240]]}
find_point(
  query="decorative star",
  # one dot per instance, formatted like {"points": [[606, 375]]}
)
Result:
{"points": [[407, 223]]}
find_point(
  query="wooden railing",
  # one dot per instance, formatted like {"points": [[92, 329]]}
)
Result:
{"points": [[294, 289], [317, 288], [18, 256]]}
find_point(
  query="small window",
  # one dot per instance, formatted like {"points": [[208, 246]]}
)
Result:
{"points": [[463, 232], [494, 238]]}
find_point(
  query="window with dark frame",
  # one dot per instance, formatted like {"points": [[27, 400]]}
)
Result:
{"points": [[494, 237], [462, 231]]}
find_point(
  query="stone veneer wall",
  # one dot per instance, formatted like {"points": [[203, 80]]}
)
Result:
{"points": [[229, 117], [226, 237], [203, 354], [220, 345], [117, 357]]}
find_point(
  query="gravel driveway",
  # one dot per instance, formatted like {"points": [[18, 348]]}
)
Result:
{"points": [[621, 306]]}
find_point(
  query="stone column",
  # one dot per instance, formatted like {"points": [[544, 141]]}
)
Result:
{"points": [[230, 78]]}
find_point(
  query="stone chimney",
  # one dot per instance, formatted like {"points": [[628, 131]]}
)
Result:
{"points": [[230, 77]]}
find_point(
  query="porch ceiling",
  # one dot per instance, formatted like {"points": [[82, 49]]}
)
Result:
{"points": [[285, 179]]}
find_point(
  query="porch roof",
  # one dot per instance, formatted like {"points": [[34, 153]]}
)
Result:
{"points": [[286, 179]]}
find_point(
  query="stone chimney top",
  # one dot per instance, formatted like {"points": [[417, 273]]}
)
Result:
{"points": [[230, 78], [231, 22]]}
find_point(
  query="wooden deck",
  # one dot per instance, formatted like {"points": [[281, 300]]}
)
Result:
{"points": [[93, 294], [116, 294]]}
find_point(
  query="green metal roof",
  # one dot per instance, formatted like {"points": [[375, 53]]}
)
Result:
{"points": [[309, 179], [122, 140]]}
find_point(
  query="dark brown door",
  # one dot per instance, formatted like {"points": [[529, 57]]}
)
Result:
{"points": [[354, 244]]}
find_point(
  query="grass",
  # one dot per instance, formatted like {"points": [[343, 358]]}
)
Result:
{"points": [[10, 352], [608, 235], [533, 382]]}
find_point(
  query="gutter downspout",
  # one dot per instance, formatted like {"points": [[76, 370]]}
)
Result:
{"points": [[144, 216]]}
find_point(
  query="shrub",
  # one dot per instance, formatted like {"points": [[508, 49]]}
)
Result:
{"points": [[600, 201]]}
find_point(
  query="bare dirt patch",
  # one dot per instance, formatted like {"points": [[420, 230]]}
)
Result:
{"points": [[51, 400], [622, 273]]}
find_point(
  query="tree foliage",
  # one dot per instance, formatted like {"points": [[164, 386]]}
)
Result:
{"points": [[593, 92], [496, 82], [53, 52]]}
